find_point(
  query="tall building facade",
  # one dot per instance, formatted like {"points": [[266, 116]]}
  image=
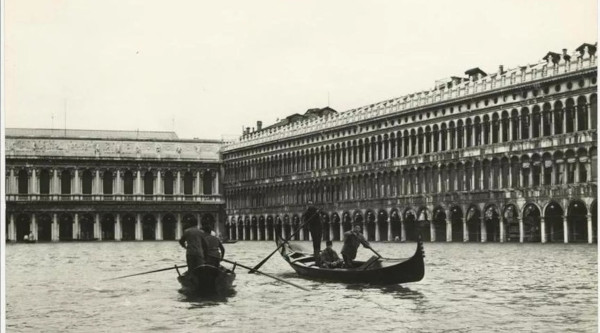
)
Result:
{"points": [[64, 185], [509, 156]]}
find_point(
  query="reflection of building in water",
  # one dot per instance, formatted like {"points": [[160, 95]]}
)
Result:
{"points": [[509, 156], [108, 185]]}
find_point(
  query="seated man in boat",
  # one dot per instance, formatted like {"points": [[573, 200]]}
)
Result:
{"points": [[193, 241], [352, 239], [215, 250], [330, 258]]}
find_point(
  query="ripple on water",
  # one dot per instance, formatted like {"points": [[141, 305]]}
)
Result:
{"points": [[467, 288]]}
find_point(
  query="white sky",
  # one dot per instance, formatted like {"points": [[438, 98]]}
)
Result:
{"points": [[215, 66]]}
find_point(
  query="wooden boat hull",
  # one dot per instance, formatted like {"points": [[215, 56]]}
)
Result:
{"points": [[380, 272], [229, 241], [207, 280]]}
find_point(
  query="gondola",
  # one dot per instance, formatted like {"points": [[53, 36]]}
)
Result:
{"points": [[207, 280], [374, 271], [229, 241]]}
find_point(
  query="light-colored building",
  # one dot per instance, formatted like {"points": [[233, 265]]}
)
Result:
{"points": [[507, 156], [64, 185]]}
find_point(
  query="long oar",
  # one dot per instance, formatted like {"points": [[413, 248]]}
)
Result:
{"points": [[154, 271], [253, 269], [265, 274]]}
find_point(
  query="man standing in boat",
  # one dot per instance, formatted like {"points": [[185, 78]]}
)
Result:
{"points": [[352, 239], [193, 241], [313, 219]]}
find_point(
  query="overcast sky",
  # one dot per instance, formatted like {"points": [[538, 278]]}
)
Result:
{"points": [[207, 68]]}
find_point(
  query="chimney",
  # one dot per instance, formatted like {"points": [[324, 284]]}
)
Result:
{"points": [[258, 125], [501, 69], [565, 56]]}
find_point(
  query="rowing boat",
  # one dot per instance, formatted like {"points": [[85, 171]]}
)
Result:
{"points": [[207, 280], [374, 271]]}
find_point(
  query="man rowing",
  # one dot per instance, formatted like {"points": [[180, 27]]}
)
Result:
{"points": [[195, 245], [352, 239], [312, 218], [215, 250]]}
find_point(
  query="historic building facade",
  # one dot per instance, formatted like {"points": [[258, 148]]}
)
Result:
{"points": [[509, 156], [64, 185]]}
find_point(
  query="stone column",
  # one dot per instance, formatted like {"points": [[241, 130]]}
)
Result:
{"points": [[389, 228], [76, 226], [448, 230], [483, 230], [55, 182], [158, 231], [465, 230], [97, 227], [521, 230], [216, 187], [33, 227], [432, 231], [54, 228], [12, 232], [230, 233], [159, 183], [33, 181], [590, 229], [502, 232], [178, 183], [10, 188], [201, 185], [118, 228], [565, 229], [178, 227], [403, 231], [301, 233], [197, 184], [366, 230], [138, 227], [244, 231], [331, 230], [377, 232], [543, 229], [138, 182]]}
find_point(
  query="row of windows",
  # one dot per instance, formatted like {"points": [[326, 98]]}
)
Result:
{"points": [[516, 96], [518, 126], [515, 173], [108, 182]]}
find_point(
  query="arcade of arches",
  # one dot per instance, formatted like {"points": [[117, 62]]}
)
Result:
{"points": [[67, 226], [552, 221]]}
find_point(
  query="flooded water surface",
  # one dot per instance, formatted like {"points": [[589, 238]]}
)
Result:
{"points": [[467, 288]]}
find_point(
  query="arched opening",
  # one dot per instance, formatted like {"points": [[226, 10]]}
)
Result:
{"points": [[424, 224], [295, 226], [65, 182], [168, 181], [370, 225], [346, 222], [577, 221], [23, 180], [128, 182], [474, 224], [107, 183], [107, 225], [492, 224], [410, 226], [169, 226], [207, 219], [86, 227], [336, 227], [44, 181], [553, 217], [511, 220], [261, 229], [531, 223], [439, 223], [128, 227], [270, 228], [86, 182], [65, 227], [396, 225], [240, 229], [382, 217], [44, 224], [287, 227], [23, 225], [148, 184], [456, 220], [188, 183], [325, 226], [149, 227], [570, 116], [207, 183]]}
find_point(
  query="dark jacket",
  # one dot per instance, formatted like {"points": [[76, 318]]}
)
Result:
{"points": [[193, 241], [351, 242], [329, 255]]}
